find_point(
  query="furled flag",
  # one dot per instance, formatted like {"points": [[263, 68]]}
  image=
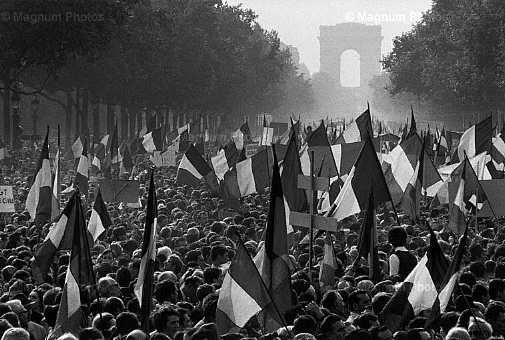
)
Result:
{"points": [[358, 129], [77, 147], [324, 164], [267, 134], [295, 198], [476, 139], [153, 140], [144, 286], [413, 125], [328, 266], [242, 294], [272, 259], [40, 202], [242, 136], [450, 279], [367, 241], [193, 168], [57, 177], [469, 198], [59, 238], [411, 199], [113, 146], [99, 220], [126, 164], [419, 290], [82, 174], [79, 274], [353, 197]]}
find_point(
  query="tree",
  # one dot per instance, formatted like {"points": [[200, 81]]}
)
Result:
{"points": [[453, 57], [47, 34]]}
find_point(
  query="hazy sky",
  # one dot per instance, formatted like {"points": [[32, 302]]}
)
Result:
{"points": [[298, 21]]}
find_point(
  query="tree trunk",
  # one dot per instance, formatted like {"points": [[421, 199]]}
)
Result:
{"points": [[132, 114], [124, 123], [85, 112], [78, 101], [96, 118], [140, 113], [7, 115], [110, 118], [68, 121]]}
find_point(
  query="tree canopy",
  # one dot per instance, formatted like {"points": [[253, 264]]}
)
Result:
{"points": [[454, 56]]}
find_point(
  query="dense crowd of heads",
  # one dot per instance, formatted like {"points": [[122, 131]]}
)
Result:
{"points": [[196, 239]]}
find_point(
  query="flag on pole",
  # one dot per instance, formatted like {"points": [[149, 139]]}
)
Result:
{"points": [[153, 141], [358, 129], [353, 197], [419, 290], [242, 136], [192, 168], [272, 259], [324, 163], [57, 177], [82, 175], [144, 286], [328, 266], [59, 238], [469, 198], [242, 294], [476, 139], [79, 274], [411, 199], [413, 125], [225, 159], [267, 134], [367, 241], [450, 279], [77, 147], [126, 164], [40, 202], [99, 220], [296, 199]]}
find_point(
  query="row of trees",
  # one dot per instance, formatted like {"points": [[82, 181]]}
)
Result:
{"points": [[453, 59], [188, 56]]}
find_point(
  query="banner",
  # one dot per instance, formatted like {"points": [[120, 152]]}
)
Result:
{"points": [[119, 190], [6, 199]]}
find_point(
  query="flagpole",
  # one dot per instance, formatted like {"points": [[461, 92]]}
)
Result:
{"points": [[264, 285], [58, 189], [312, 213]]}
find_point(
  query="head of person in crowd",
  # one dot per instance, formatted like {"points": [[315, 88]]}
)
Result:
{"points": [[332, 328], [166, 321], [479, 329], [90, 333], [136, 334], [16, 333], [218, 255], [495, 316], [108, 287], [359, 301]]}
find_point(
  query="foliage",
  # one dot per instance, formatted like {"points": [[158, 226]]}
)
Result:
{"points": [[453, 56]]}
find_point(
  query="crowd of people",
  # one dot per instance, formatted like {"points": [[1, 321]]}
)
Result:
{"points": [[196, 240]]}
